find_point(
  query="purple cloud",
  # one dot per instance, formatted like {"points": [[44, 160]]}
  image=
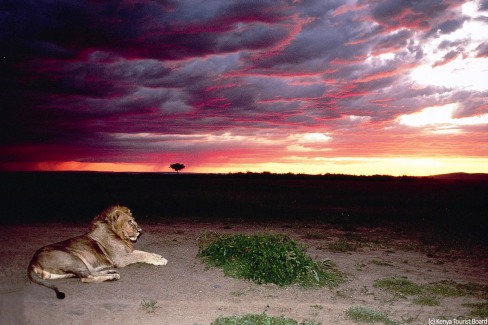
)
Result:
{"points": [[100, 79]]}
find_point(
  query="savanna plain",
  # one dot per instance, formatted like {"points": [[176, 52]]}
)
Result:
{"points": [[408, 250]]}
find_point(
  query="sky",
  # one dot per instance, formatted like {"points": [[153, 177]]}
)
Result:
{"points": [[338, 86]]}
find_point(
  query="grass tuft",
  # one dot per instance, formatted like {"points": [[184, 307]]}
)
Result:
{"points": [[401, 286], [149, 305], [368, 315], [261, 319], [447, 289], [427, 300], [266, 258], [428, 294], [343, 245], [478, 309]]}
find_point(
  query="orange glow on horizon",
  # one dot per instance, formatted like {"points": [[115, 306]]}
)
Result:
{"points": [[399, 166], [79, 166]]}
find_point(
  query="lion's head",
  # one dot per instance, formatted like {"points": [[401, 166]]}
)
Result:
{"points": [[119, 219]]}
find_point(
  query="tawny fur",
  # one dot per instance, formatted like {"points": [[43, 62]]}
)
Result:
{"points": [[93, 256]]}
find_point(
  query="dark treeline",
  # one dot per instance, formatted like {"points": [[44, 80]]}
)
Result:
{"points": [[76, 197]]}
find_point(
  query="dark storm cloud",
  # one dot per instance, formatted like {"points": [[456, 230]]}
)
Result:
{"points": [[91, 73], [450, 44], [318, 43], [482, 50], [450, 56], [191, 28], [396, 14], [449, 26], [473, 104], [483, 5], [393, 42], [446, 27]]}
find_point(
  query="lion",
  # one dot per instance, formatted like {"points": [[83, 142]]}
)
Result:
{"points": [[93, 256]]}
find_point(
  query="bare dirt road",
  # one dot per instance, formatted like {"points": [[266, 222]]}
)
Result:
{"points": [[187, 292]]}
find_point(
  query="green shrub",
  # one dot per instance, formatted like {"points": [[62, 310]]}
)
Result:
{"points": [[262, 319], [368, 315], [266, 258]]}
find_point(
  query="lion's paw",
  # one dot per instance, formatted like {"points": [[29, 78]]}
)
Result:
{"points": [[158, 260], [109, 272], [114, 277]]}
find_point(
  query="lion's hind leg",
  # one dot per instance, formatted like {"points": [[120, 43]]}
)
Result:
{"points": [[35, 274], [53, 276], [100, 276], [109, 271]]}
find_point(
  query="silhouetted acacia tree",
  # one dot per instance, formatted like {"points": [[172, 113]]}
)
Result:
{"points": [[177, 167]]}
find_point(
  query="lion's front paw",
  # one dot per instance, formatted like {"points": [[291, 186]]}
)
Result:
{"points": [[163, 261], [114, 277], [110, 272], [158, 260]]}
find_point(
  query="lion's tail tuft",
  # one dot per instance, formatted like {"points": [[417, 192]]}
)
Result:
{"points": [[34, 277]]}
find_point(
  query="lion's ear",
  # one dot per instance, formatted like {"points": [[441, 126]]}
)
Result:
{"points": [[114, 216], [108, 216], [111, 216]]}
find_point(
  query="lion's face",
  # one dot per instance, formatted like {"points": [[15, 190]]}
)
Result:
{"points": [[126, 227], [120, 221]]}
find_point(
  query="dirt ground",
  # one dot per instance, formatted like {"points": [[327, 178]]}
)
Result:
{"points": [[187, 292]]}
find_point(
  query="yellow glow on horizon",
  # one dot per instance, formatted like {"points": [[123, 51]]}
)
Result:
{"points": [[398, 166], [423, 166]]}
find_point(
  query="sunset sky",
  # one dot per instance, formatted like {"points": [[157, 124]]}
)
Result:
{"points": [[313, 86]]}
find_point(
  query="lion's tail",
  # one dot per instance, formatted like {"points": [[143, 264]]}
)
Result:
{"points": [[34, 277]]}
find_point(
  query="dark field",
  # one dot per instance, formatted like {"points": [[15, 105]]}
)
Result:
{"points": [[423, 203], [377, 228]]}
